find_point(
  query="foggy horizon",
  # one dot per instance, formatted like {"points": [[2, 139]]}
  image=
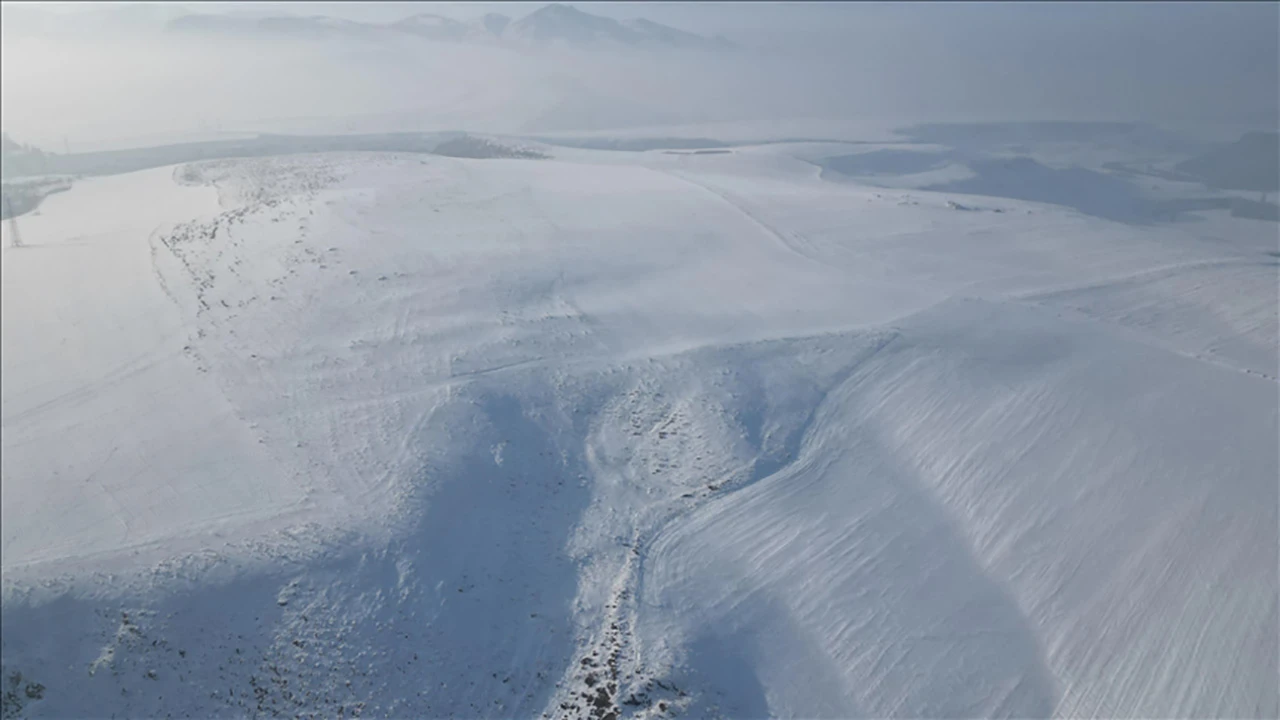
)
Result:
{"points": [[92, 75]]}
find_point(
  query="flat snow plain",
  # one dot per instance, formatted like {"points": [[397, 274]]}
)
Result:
{"points": [[630, 435]]}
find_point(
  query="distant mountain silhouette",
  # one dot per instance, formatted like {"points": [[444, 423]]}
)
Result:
{"points": [[554, 25], [558, 24]]}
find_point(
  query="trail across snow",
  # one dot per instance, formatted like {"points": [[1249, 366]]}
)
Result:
{"points": [[637, 436], [113, 439]]}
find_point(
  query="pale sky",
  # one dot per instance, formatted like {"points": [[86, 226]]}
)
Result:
{"points": [[89, 70]]}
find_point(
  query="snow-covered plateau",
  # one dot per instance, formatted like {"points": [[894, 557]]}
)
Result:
{"points": [[630, 435]]}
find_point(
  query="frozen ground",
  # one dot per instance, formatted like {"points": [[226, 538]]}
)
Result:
{"points": [[631, 435]]}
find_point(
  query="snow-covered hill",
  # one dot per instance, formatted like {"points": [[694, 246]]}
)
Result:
{"points": [[629, 435]]}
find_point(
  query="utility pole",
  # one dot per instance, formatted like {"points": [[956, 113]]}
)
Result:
{"points": [[15, 238]]}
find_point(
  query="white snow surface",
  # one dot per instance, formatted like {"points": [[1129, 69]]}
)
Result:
{"points": [[629, 435]]}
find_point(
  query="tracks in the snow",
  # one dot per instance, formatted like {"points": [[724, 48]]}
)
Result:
{"points": [[791, 242]]}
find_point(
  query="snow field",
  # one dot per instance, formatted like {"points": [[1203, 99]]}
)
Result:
{"points": [[404, 436]]}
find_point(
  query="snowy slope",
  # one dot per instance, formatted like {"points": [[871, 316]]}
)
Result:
{"points": [[1002, 513], [629, 435], [112, 438]]}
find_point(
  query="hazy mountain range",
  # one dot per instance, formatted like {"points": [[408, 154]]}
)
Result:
{"points": [[554, 25]]}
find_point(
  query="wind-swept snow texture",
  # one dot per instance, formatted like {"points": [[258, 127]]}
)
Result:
{"points": [[637, 436]]}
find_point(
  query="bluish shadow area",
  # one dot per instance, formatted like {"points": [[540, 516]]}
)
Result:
{"points": [[695, 145], [997, 135], [724, 675], [191, 653], [1108, 195], [1250, 163], [887, 162], [632, 144], [489, 582], [1088, 191], [464, 612]]}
